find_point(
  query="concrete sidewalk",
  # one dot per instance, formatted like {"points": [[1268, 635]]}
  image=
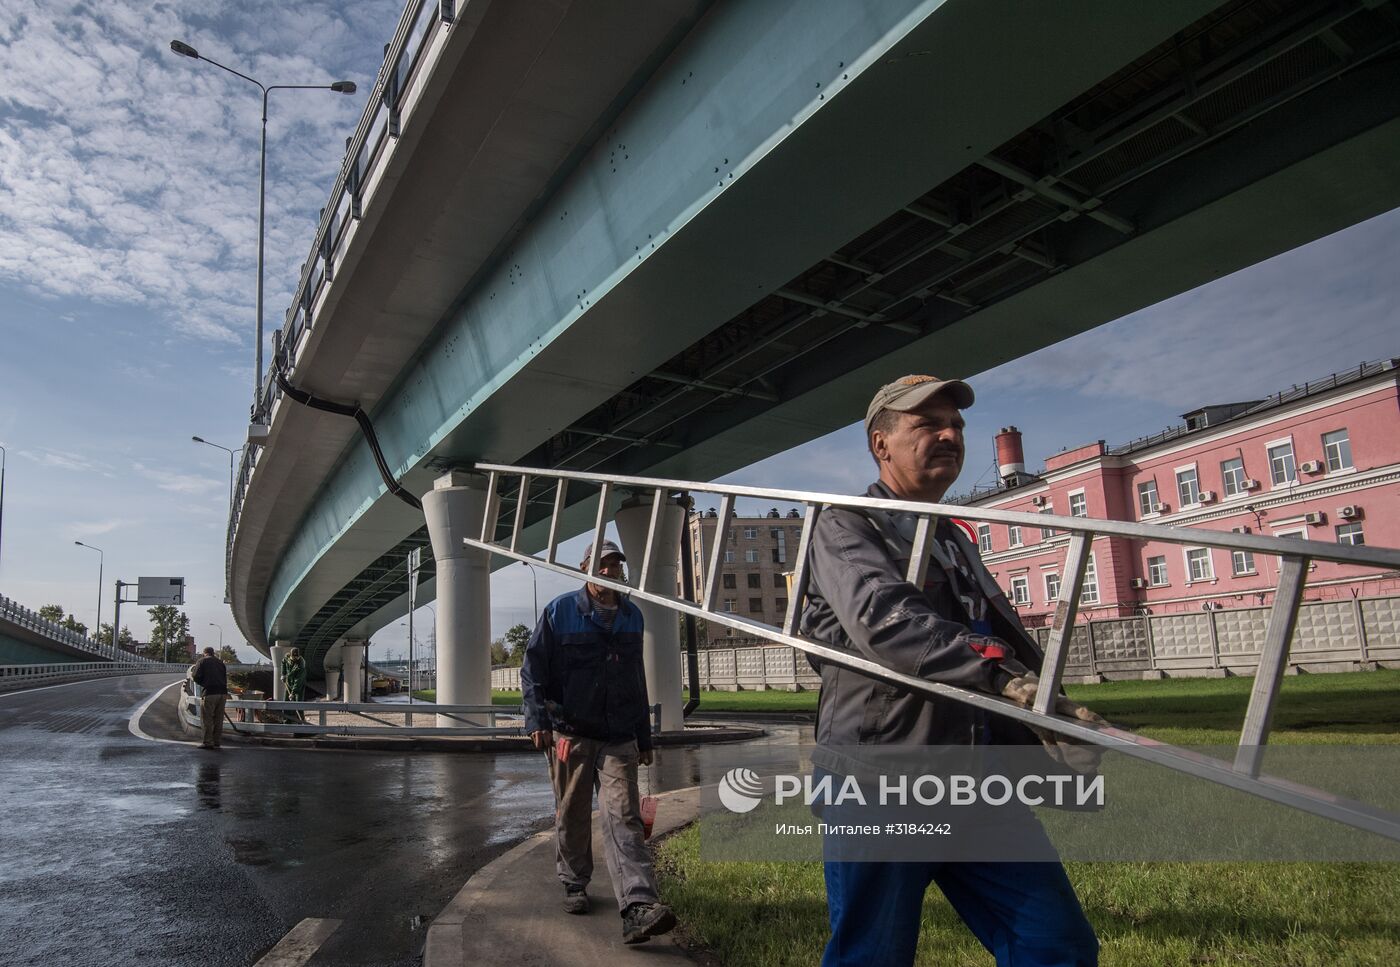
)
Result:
{"points": [[512, 911]]}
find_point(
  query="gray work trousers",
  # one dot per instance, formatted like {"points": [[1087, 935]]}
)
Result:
{"points": [[611, 769], [211, 716]]}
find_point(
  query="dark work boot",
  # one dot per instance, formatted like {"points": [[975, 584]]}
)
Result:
{"points": [[642, 921], [575, 899]]}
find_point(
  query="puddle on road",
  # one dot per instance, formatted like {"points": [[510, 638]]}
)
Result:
{"points": [[146, 808]]}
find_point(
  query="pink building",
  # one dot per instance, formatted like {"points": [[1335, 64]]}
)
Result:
{"points": [[1321, 462]]}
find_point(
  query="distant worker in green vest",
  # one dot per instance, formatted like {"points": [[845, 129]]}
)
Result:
{"points": [[294, 676]]}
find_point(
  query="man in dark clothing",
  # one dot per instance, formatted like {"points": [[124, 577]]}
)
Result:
{"points": [[585, 697], [210, 674], [958, 629]]}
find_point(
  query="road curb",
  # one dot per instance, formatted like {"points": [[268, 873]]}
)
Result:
{"points": [[515, 744], [514, 903]]}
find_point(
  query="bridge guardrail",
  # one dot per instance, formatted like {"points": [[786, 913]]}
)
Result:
{"points": [[16, 677], [22, 617]]}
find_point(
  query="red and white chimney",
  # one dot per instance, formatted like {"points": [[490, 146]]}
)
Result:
{"points": [[1011, 458]]}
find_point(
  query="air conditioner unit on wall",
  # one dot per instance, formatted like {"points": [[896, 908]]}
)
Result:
{"points": [[1315, 517], [1038, 500], [1207, 496], [1138, 583], [1249, 484], [1310, 466], [1349, 512], [1242, 529]]}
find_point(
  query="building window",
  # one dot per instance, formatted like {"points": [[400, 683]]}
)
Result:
{"points": [[750, 533], [730, 582], [1052, 586], [1350, 534], [779, 581], [755, 580], [755, 604], [751, 555], [1232, 473], [1078, 506], [984, 538], [1188, 488], [1241, 562], [1337, 446], [1157, 571], [780, 604], [1282, 469], [731, 605], [1047, 532], [1198, 564], [1090, 593], [1020, 590], [728, 557], [1013, 536], [1147, 497]]}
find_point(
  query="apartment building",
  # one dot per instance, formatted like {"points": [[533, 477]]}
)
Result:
{"points": [[758, 555], [1320, 461]]}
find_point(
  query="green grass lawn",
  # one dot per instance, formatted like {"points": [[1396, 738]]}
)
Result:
{"points": [[1146, 914]]}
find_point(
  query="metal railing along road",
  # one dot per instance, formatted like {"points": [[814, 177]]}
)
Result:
{"points": [[20, 616], [313, 718], [14, 677], [1243, 773]]}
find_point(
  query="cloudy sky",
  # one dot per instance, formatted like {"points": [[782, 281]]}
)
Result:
{"points": [[128, 201]]}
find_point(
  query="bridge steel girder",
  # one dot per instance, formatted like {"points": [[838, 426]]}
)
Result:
{"points": [[766, 140]]}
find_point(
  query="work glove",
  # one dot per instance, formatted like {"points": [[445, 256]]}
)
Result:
{"points": [[1082, 757]]}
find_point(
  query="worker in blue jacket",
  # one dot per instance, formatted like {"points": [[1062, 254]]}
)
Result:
{"points": [[586, 706]]}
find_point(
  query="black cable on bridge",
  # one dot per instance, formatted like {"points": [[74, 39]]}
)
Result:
{"points": [[354, 411]]}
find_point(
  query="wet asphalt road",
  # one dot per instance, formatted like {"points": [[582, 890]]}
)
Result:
{"points": [[119, 850]]}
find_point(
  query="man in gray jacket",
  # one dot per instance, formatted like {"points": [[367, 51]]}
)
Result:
{"points": [[958, 629]]}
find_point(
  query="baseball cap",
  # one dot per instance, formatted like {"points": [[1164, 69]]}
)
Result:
{"points": [[909, 392], [608, 550]]}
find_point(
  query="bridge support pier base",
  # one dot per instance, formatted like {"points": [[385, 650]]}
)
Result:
{"points": [[352, 669], [279, 688], [454, 509], [661, 642], [331, 664]]}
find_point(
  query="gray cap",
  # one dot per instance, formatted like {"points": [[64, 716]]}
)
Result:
{"points": [[909, 392], [608, 550]]}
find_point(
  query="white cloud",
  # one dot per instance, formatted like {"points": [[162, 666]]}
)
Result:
{"points": [[130, 173]]}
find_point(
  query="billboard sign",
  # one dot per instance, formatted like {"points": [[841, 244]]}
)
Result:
{"points": [[160, 591]]}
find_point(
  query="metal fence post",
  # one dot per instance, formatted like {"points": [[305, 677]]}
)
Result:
{"points": [[1214, 640], [1093, 659], [1361, 643]]}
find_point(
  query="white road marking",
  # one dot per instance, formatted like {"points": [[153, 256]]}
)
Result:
{"points": [[300, 944], [134, 723]]}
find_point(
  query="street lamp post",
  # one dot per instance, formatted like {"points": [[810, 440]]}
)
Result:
{"points": [[101, 559], [534, 581], [2, 485], [221, 635], [200, 439], [340, 87]]}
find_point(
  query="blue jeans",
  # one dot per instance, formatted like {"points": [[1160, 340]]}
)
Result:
{"points": [[1025, 914]]}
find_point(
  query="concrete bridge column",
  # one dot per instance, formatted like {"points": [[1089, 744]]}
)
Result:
{"points": [[352, 669], [331, 664], [454, 509], [280, 650], [661, 641]]}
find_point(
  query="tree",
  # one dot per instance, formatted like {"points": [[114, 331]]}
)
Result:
{"points": [[124, 640], [169, 626], [515, 640], [499, 654], [227, 655], [73, 624], [52, 612]]}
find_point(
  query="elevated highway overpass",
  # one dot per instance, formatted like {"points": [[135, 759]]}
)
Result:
{"points": [[674, 238]]}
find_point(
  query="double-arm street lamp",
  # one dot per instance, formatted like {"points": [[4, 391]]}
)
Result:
{"points": [[97, 632], [340, 87]]}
